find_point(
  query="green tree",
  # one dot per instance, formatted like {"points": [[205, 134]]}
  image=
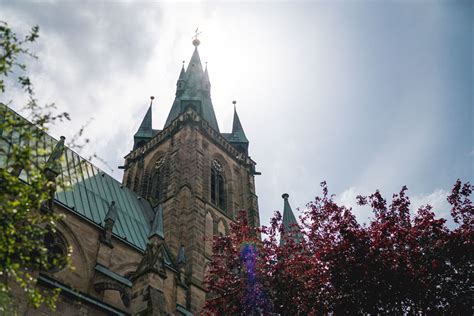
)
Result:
{"points": [[28, 170]]}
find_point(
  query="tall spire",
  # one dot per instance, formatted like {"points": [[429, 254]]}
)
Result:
{"points": [[193, 91], [145, 131], [290, 225]]}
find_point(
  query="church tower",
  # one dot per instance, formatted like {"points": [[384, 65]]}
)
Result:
{"points": [[199, 177]]}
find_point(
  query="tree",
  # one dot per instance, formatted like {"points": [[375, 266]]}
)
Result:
{"points": [[28, 170], [398, 263], [233, 281]]}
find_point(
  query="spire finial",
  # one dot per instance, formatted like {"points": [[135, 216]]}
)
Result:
{"points": [[151, 100], [285, 196], [196, 42], [234, 103]]}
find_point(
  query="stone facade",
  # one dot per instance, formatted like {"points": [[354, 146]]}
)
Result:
{"points": [[185, 152], [142, 248]]}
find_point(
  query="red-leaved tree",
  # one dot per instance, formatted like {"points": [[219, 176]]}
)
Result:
{"points": [[398, 263]]}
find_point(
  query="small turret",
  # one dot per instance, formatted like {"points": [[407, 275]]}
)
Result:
{"points": [[145, 131], [290, 225], [237, 137]]}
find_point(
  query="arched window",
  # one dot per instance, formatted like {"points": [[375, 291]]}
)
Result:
{"points": [[156, 185], [57, 251], [217, 185], [157, 180]]}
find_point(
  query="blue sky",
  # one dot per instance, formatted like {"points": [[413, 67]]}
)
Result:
{"points": [[362, 94]]}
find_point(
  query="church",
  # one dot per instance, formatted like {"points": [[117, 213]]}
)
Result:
{"points": [[141, 247]]}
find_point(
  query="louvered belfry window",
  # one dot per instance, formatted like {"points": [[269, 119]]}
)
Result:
{"points": [[217, 185]]}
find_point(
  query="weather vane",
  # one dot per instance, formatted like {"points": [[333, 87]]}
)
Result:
{"points": [[196, 41], [196, 33]]}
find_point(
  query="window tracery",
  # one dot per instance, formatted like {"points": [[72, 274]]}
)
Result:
{"points": [[58, 251]]}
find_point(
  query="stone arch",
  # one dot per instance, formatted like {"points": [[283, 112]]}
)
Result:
{"points": [[58, 251], [79, 259], [222, 227], [155, 178]]}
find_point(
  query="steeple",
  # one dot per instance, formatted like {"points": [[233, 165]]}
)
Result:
{"points": [[193, 91], [145, 131], [290, 224]]}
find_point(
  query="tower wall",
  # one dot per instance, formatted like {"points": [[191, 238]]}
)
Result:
{"points": [[190, 150]]}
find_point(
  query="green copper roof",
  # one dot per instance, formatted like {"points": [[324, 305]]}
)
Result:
{"points": [[289, 221], [194, 90], [238, 134], [145, 131], [237, 137], [182, 74], [89, 193]]}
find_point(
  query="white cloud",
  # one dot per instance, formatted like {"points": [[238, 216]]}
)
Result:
{"points": [[325, 92]]}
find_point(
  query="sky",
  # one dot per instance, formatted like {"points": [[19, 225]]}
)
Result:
{"points": [[365, 95]]}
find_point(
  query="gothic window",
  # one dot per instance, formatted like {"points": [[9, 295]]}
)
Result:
{"points": [[57, 252], [217, 185], [157, 180], [155, 185]]}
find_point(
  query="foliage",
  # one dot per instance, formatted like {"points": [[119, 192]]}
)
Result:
{"points": [[25, 185], [399, 263]]}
